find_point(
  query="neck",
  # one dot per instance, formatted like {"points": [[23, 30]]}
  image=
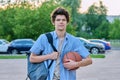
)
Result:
{"points": [[61, 34]]}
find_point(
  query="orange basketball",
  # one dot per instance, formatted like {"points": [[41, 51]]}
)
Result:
{"points": [[73, 56]]}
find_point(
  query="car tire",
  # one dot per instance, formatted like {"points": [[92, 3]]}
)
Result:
{"points": [[14, 51], [94, 50]]}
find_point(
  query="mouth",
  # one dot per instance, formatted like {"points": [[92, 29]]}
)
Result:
{"points": [[61, 25]]}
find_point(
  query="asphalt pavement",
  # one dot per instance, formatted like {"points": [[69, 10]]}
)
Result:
{"points": [[102, 69], [107, 68]]}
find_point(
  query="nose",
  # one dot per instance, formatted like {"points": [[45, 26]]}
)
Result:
{"points": [[61, 21]]}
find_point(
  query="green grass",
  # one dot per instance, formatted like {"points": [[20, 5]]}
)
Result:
{"points": [[97, 55], [24, 56], [13, 57]]}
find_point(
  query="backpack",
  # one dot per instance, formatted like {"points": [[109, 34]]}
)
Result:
{"points": [[38, 71]]}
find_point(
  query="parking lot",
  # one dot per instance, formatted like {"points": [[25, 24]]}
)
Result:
{"points": [[102, 69]]}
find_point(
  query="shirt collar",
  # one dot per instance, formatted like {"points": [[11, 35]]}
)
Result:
{"points": [[56, 37]]}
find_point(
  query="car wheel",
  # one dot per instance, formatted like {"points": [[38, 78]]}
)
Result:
{"points": [[94, 50], [14, 51]]}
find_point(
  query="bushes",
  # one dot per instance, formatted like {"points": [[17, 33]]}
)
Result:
{"points": [[24, 21]]}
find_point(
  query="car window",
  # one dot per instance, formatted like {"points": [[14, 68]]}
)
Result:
{"points": [[95, 41], [3, 42], [25, 42], [18, 43], [82, 41], [6, 42], [28, 42]]}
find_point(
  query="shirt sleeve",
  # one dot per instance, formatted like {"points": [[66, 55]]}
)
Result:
{"points": [[38, 45], [80, 48]]}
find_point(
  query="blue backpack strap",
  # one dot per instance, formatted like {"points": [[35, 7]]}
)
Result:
{"points": [[50, 40]]}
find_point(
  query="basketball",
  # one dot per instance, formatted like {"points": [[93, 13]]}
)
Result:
{"points": [[73, 56]]}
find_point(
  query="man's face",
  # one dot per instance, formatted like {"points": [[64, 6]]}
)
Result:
{"points": [[60, 23]]}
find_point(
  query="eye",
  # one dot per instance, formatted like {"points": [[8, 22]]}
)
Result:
{"points": [[57, 19], [63, 19]]}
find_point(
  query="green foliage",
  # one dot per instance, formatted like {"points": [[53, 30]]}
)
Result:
{"points": [[71, 29], [102, 31], [114, 29], [77, 19], [74, 6], [25, 21], [6, 25], [71, 3], [83, 34], [96, 22], [98, 9]]}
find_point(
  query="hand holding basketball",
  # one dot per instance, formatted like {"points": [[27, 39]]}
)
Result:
{"points": [[71, 57]]}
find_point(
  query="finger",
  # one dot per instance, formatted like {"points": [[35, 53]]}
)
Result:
{"points": [[67, 60]]}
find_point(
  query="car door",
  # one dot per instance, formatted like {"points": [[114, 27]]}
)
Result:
{"points": [[3, 47], [24, 45], [28, 45]]}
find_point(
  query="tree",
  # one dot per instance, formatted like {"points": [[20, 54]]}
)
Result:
{"points": [[28, 21], [74, 5], [114, 29], [6, 20], [33, 21], [102, 32], [96, 20]]}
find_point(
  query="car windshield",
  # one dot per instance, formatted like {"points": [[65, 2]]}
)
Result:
{"points": [[4, 41], [84, 40], [95, 40], [22, 42]]}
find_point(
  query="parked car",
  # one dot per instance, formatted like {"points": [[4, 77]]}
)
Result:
{"points": [[3, 45], [93, 48], [105, 43], [20, 46]]}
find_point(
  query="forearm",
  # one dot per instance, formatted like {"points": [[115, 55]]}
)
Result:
{"points": [[72, 64], [84, 62], [35, 58]]}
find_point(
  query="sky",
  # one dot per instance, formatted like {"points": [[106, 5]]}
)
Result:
{"points": [[113, 6]]}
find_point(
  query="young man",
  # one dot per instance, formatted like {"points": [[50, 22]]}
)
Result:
{"points": [[64, 43]]}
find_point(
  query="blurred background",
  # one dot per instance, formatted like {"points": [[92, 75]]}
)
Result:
{"points": [[95, 22], [90, 19]]}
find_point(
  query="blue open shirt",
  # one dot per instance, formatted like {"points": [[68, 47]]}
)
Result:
{"points": [[70, 43]]}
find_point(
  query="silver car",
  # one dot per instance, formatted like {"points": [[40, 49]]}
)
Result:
{"points": [[93, 48], [3, 45]]}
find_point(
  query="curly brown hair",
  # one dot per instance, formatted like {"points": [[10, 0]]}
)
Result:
{"points": [[59, 11]]}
